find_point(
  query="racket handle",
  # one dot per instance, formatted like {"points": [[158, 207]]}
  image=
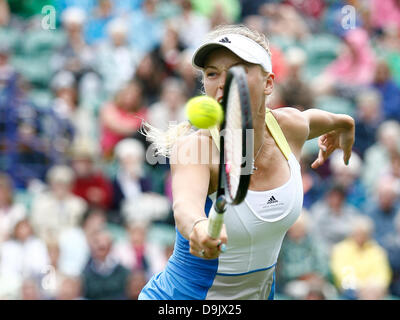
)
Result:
{"points": [[216, 218]]}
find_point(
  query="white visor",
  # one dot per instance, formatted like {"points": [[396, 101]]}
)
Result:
{"points": [[242, 46]]}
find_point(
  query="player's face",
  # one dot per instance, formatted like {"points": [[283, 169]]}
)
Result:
{"points": [[215, 71]]}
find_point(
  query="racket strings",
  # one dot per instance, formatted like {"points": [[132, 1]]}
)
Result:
{"points": [[233, 139]]}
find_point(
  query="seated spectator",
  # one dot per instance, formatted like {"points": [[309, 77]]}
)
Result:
{"points": [[90, 183], [314, 186], [192, 26], [302, 257], [368, 118], [189, 75], [10, 211], [69, 289], [151, 86], [23, 256], [348, 176], [133, 196], [116, 60], [67, 108], [4, 13], [332, 217], [57, 208], [30, 290], [284, 21], [384, 14], [75, 55], [96, 24], [377, 157], [138, 254], [170, 107], [147, 26], [359, 265], [74, 242], [168, 51], [104, 278], [383, 207], [295, 90], [122, 117], [389, 91], [353, 68], [391, 243], [136, 281]]}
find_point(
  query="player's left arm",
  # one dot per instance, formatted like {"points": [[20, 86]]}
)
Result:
{"points": [[335, 131]]}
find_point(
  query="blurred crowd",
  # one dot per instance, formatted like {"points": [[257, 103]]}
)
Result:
{"points": [[84, 214]]}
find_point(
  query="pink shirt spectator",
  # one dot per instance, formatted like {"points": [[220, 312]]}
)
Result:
{"points": [[356, 64], [385, 13]]}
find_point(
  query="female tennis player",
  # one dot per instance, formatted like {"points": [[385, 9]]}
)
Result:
{"points": [[253, 231]]}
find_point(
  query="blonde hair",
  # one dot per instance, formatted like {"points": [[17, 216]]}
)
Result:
{"points": [[163, 141]]}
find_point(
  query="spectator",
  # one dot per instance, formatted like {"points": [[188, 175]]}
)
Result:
{"points": [[348, 176], [69, 289], [377, 157], [189, 75], [122, 117], [332, 217], [57, 208], [191, 25], [147, 27], [389, 91], [23, 256], [353, 68], [95, 27], [284, 21], [133, 196], [4, 13], [384, 14], [66, 107], [75, 55], [314, 186], [302, 257], [151, 85], [117, 60], [167, 52], [170, 107], [296, 91], [103, 278], [74, 242], [360, 266], [368, 119], [383, 207], [391, 243], [30, 290], [10, 211], [90, 183], [138, 254], [136, 281]]}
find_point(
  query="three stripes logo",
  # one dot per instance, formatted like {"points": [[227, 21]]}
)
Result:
{"points": [[225, 40], [272, 200]]}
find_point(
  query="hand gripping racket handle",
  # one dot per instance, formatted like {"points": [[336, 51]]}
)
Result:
{"points": [[216, 217]]}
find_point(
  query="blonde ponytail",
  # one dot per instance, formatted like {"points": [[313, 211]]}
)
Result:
{"points": [[163, 141]]}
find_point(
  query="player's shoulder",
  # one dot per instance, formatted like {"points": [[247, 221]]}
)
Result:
{"points": [[290, 117], [293, 123]]}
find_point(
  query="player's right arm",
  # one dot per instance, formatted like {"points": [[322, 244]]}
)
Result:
{"points": [[191, 180]]}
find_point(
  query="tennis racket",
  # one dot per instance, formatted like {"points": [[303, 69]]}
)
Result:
{"points": [[236, 148]]}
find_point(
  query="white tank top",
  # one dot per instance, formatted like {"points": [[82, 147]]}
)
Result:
{"points": [[257, 226]]}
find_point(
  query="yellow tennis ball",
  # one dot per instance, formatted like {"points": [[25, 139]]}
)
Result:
{"points": [[204, 112]]}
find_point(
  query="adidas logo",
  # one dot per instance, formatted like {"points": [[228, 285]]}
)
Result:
{"points": [[272, 200], [225, 40]]}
